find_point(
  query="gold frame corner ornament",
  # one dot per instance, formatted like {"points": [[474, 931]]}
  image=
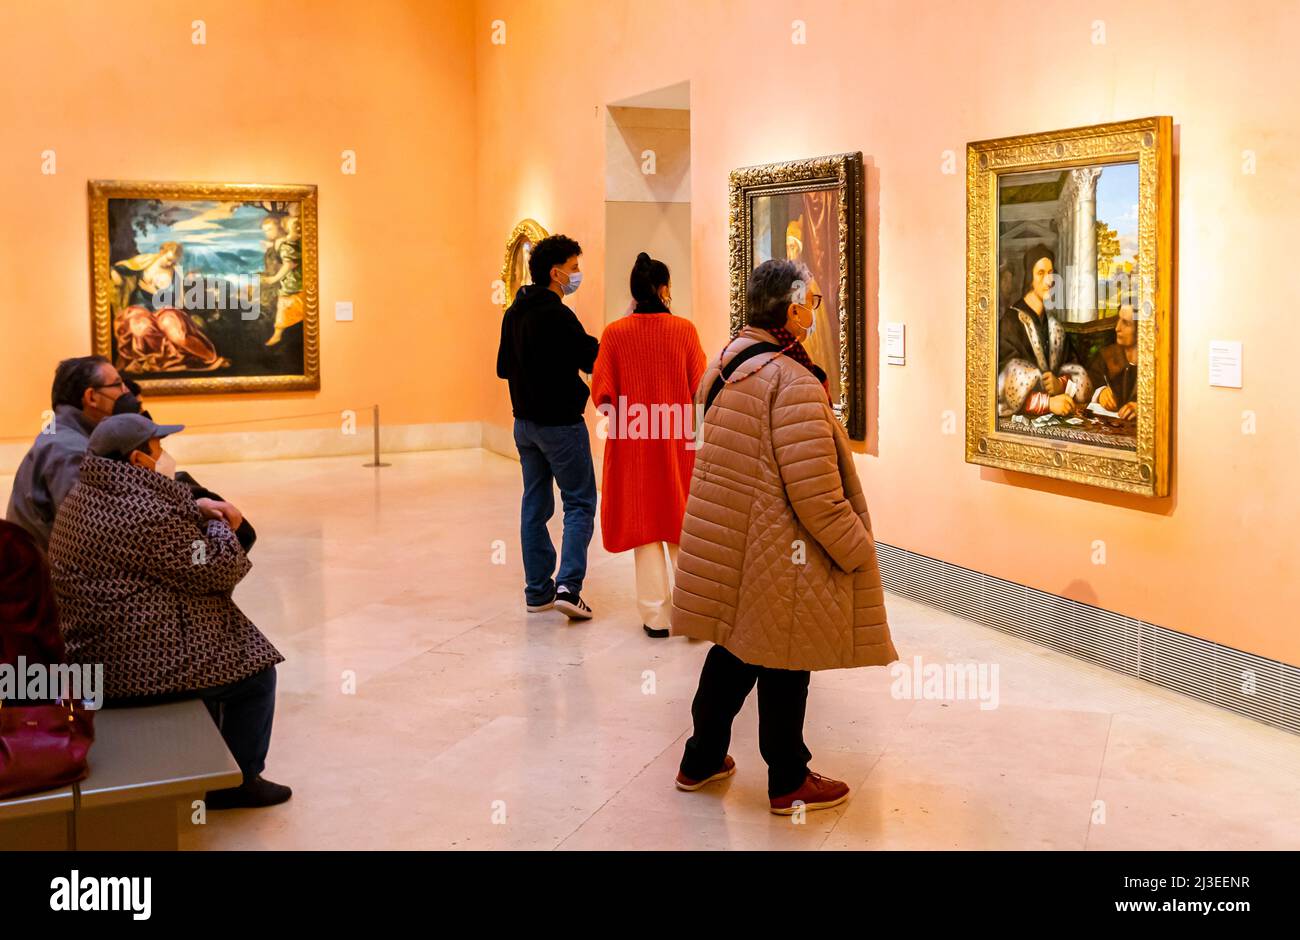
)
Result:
{"points": [[1144, 471], [844, 171], [99, 192], [527, 229]]}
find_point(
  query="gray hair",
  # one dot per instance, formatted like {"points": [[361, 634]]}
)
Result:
{"points": [[772, 287]]}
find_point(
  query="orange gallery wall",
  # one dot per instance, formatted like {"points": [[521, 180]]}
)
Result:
{"points": [[275, 95], [459, 136], [906, 83]]}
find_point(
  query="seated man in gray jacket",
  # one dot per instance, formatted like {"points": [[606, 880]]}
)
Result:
{"points": [[86, 390]]}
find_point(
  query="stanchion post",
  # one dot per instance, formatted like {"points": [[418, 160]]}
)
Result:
{"points": [[374, 424]]}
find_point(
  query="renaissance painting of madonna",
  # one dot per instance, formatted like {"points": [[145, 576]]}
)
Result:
{"points": [[203, 287]]}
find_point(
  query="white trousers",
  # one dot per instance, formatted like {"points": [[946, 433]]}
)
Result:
{"points": [[654, 583]]}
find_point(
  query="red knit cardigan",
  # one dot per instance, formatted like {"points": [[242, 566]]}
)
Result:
{"points": [[644, 383]]}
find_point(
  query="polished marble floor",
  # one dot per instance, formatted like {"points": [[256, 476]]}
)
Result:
{"points": [[420, 707]]}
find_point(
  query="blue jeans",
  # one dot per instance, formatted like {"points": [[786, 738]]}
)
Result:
{"points": [[559, 454]]}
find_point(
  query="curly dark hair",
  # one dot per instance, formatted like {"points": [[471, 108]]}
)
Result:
{"points": [[547, 253]]}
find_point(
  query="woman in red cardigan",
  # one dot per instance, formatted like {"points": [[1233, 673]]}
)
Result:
{"points": [[644, 382]]}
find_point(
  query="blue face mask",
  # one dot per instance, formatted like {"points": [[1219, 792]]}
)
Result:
{"points": [[575, 279]]}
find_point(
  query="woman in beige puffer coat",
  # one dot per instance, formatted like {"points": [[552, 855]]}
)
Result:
{"points": [[777, 564]]}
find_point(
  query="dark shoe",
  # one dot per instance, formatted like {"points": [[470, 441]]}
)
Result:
{"points": [[657, 634], [573, 606], [251, 794], [544, 605], [686, 783], [817, 792]]}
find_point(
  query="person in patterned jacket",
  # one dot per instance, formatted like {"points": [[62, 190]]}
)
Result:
{"points": [[143, 574]]}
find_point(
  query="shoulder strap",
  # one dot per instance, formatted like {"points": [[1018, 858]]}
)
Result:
{"points": [[749, 352]]}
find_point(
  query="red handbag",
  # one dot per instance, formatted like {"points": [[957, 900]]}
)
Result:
{"points": [[43, 747]]}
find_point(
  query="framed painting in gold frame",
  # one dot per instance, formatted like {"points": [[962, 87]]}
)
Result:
{"points": [[812, 211], [203, 288], [1069, 270], [519, 246]]}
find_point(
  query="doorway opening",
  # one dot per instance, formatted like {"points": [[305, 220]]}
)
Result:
{"points": [[648, 192]]}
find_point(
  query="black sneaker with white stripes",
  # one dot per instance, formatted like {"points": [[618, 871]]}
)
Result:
{"points": [[572, 604]]}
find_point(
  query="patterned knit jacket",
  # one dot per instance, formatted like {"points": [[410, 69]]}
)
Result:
{"points": [[144, 582]]}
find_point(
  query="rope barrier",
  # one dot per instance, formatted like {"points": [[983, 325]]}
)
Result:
{"points": [[217, 424]]}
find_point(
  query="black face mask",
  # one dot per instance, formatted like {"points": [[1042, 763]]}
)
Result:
{"points": [[126, 404]]}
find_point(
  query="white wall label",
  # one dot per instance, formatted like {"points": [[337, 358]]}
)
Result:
{"points": [[342, 310], [895, 344], [1225, 363]]}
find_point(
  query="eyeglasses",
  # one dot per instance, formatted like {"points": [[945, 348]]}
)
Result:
{"points": [[814, 301], [120, 383]]}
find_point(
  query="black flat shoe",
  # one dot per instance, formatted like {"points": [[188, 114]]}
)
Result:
{"points": [[252, 794], [657, 634]]}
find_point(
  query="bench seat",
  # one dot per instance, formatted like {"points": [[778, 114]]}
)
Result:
{"points": [[147, 766]]}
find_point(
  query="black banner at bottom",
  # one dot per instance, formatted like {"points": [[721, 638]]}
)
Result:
{"points": [[333, 889]]}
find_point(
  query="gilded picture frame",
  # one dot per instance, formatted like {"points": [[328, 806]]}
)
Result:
{"points": [[514, 269], [1136, 459], [238, 309], [829, 235]]}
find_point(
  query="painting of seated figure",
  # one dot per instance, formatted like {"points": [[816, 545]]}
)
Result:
{"points": [[1067, 332], [206, 287], [1069, 258]]}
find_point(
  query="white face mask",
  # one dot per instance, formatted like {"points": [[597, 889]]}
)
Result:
{"points": [[812, 322], [166, 465]]}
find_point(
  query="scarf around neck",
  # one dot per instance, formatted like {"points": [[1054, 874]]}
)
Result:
{"points": [[794, 349]]}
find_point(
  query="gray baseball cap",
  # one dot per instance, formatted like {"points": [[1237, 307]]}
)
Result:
{"points": [[121, 434]]}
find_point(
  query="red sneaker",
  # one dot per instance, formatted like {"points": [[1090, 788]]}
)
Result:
{"points": [[817, 792], [686, 783]]}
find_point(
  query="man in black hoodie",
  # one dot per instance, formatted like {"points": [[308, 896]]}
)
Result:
{"points": [[543, 348]]}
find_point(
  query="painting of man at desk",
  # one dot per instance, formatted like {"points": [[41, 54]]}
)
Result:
{"points": [[1067, 354]]}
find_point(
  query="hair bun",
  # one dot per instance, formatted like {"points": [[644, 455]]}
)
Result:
{"points": [[642, 258]]}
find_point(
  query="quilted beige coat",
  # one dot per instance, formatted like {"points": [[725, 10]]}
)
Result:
{"points": [[777, 563]]}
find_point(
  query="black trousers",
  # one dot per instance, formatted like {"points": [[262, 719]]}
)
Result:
{"points": [[244, 711], [725, 683]]}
